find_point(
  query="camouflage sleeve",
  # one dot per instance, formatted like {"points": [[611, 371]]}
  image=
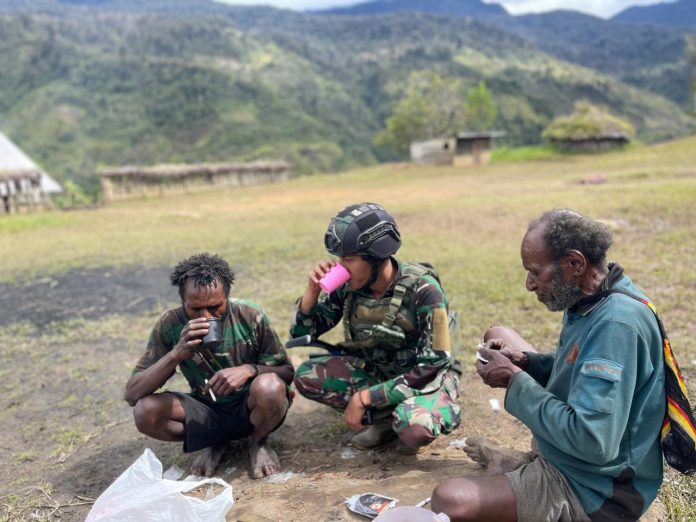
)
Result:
{"points": [[158, 345], [271, 350], [322, 318], [432, 347]]}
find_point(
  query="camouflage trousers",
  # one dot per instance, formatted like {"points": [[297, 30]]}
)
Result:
{"points": [[332, 380]]}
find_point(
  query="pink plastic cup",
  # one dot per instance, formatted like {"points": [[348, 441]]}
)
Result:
{"points": [[334, 278]]}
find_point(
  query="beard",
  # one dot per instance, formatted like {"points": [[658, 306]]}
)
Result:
{"points": [[560, 294]]}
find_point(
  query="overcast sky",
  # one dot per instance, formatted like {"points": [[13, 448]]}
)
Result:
{"points": [[603, 8]]}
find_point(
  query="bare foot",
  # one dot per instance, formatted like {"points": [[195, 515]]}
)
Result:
{"points": [[495, 459], [264, 461], [207, 462]]}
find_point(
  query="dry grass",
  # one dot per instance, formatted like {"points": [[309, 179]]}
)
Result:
{"points": [[468, 222]]}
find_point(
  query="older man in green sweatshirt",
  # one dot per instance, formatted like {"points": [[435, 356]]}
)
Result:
{"points": [[594, 407]]}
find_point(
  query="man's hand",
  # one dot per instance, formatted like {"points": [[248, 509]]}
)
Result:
{"points": [[497, 372], [319, 271], [191, 337], [518, 357], [355, 412], [311, 295], [228, 380]]}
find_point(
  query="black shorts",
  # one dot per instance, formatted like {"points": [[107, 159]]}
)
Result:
{"points": [[211, 424]]}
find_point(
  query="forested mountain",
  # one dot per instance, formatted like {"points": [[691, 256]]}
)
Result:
{"points": [[648, 56], [105, 83], [681, 13]]}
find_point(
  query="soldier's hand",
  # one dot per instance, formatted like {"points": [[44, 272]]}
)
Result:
{"points": [[311, 295], [318, 271], [497, 372], [354, 413], [191, 337]]}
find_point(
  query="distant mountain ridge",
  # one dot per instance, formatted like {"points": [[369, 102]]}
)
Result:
{"points": [[633, 53], [680, 13], [676, 14], [474, 8]]}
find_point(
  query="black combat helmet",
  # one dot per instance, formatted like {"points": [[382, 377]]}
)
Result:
{"points": [[363, 229]]}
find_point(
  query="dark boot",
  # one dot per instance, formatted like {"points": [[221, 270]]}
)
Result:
{"points": [[377, 434]]}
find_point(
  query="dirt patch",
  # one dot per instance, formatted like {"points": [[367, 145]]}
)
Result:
{"points": [[86, 294], [67, 433]]}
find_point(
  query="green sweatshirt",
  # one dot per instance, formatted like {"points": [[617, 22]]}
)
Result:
{"points": [[595, 406]]}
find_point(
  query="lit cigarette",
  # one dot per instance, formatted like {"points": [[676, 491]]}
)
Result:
{"points": [[210, 391], [481, 357], [423, 502]]}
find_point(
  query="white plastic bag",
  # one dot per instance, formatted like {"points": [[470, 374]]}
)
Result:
{"points": [[140, 494]]}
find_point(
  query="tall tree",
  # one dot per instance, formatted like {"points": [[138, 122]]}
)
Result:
{"points": [[432, 107], [480, 109]]}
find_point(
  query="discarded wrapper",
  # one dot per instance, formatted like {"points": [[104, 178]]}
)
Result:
{"points": [[457, 444], [495, 404], [280, 478], [370, 504], [348, 453]]}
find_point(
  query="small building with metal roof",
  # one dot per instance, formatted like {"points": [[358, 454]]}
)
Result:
{"points": [[462, 149]]}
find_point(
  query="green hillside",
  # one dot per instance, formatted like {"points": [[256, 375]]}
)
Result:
{"points": [[649, 57], [84, 87]]}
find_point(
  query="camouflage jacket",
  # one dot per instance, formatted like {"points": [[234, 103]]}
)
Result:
{"points": [[248, 339], [422, 318]]}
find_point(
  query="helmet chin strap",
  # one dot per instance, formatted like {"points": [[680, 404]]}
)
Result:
{"points": [[376, 264]]}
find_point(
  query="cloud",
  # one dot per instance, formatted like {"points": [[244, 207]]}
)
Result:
{"points": [[602, 8]]}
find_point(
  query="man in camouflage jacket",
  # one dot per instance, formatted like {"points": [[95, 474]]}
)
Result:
{"points": [[238, 388], [397, 343]]}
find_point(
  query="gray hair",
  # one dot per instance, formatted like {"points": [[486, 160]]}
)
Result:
{"points": [[566, 230]]}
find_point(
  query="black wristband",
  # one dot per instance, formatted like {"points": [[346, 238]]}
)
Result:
{"points": [[362, 403], [257, 371]]}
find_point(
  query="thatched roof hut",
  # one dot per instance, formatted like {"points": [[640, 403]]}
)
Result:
{"points": [[589, 129], [22, 182], [137, 181]]}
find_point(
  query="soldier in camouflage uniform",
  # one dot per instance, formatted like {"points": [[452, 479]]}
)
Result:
{"points": [[238, 389], [396, 336]]}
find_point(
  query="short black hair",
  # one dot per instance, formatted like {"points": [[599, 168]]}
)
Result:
{"points": [[205, 269], [566, 230]]}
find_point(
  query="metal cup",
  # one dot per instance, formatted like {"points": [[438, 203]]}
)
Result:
{"points": [[213, 338]]}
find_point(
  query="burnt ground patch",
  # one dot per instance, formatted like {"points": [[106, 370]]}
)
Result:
{"points": [[87, 294]]}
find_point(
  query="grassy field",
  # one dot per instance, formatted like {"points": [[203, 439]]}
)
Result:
{"points": [[467, 222]]}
